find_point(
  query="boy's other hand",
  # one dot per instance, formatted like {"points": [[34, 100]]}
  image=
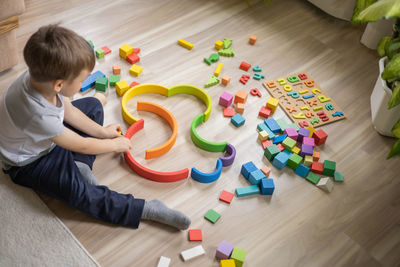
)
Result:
{"points": [[122, 144], [112, 131]]}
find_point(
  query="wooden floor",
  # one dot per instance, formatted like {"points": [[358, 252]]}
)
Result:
{"points": [[358, 224]]}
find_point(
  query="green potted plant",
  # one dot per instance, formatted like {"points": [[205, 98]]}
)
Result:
{"points": [[385, 98]]}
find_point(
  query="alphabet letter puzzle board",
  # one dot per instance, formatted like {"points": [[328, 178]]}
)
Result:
{"points": [[304, 101]]}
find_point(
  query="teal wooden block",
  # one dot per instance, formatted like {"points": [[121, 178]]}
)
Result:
{"points": [[212, 216], [338, 177], [264, 127], [247, 190], [282, 123], [256, 176], [329, 168], [271, 151]]}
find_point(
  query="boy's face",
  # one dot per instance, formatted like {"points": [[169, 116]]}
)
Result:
{"points": [[72, 87]]}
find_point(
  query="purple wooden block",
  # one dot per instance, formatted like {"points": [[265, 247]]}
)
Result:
{"points": [[225, 99], [306, 150], [303, 132], [231, 151], [292, 133], [308, 141], [224, 251]]}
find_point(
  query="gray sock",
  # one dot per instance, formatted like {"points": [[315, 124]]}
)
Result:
{"points": [[155, 210], [86, 173]]}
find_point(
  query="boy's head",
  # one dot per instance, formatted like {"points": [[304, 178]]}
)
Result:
{"points": [[55, 53]]}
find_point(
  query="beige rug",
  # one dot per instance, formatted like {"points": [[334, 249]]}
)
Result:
{"points": [[31, 235]]}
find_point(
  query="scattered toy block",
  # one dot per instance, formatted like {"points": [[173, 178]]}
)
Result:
{"points": [[272, 103], [308, 141], [99, 53], [302, 170], [244, 66], [227, 43], [106, 50], [292, 133], [133, 84], [121, 87], [313, 178], [329, 168], [294, 161], [226, 196], [214, 57], [238, 120], [279, 139], [91, 44], [135, 70], [185, 44], [219, 45], [195, 235], [271, 152], [227, 263], [224, 250], [256, 176], [229, 112], [255, 92], [267, 186], [295, 150], [320, 137], [227, 52], [281, 148], [266, 170], [212, 216], [244, 78], [306, 150], [272, 125], [116, 69], [264, 112], [125, 50], [101, 84], [252, 39], [263, 135], [225, 99], [281, 160], [258, 76], [114, 79], [311, 129], [282, 123], [239, 108], [317, 167], [308, 160], [136, 50], [325, 184], [91, 80], [133, 58], [289, 143], [218, 69], [225, 80], [266, 143], [247, 191], [315, 156], [238, 255], [240, 97], [212, 81], [247, 168], [338, 177], [163, 262], [263, 126], [192, 253], [303, 132]]}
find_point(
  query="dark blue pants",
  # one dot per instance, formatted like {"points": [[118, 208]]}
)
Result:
{"points": [[57, 176]]}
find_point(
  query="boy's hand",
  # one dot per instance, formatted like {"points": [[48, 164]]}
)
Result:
{"points": [[122, 144], [112, 131]]}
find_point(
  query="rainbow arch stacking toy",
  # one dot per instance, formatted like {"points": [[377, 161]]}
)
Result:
{"points": [[138, 124]]}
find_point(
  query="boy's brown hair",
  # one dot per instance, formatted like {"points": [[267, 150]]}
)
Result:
{"points": [[54, 52]]}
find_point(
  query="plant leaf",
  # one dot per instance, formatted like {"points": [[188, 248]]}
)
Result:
{"points": [[392, 69], [395, 150], [381, 46], [378, 10], [387, 49], [395, 98], [360, 6], [396, 129]]}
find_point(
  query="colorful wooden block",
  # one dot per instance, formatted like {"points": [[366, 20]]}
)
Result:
{"points": [[279, 139], [224, 250], [135, 70], [256, 176], [252, 39], [163, 262], [294, 161], [106, 50], [136, 50], [280, 160], [263, 135], [219, 45], [227, 43], [214, 57], [212, 216], [91, 44], [311, 129], [218, 69], [267, 186], [133, 58], [225, 80], [125, 50], [289, 143], [295, 150], [292, 133], [315, 156], [313, 178], [240, 97], [263, 126], [280, 147], [238, 120], [212, 81], [264, 112], [247, 168], [272, 103], [192, 253], [99, 53], [308, 141], [325, 183], [244, 78], [272, 125], [247, 191], [317, 167], [101, 84], [227, 263], [227, 52], [226, 196], [225, 99], [320, 137], [114, 79], [239, 108], [238, 255], [229, 112], [116, 69], [306, 150], [329, 168], [302, 170], [185, 44], [266, 170], [133, 84], [121, 87], [271, 151], [308, 160], [195, 235], [338, 177], [266, 143], [244, 66], [303, 132], [91, 80]]}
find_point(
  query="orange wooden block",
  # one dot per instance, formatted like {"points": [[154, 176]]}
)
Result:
{"points": [[239, 108], [266, 170], [252, 39], [315, 156], [116, 69], [226, 79], [240, 97]]}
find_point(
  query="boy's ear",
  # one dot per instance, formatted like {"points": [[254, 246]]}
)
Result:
{"points": [[57, 85]]}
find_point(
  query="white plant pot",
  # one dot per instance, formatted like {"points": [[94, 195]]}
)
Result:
{"points": [[383, 119]]}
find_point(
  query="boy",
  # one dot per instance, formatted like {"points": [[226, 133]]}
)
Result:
{"points": [[49, 144]]}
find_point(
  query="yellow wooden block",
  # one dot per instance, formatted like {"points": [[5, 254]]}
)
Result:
{"points": [[312, 130], [135, 70], [296, 150], [263, 135], [272, 104], [125, 50], [219, 45], [185, 44], [308, 160], [227, 263], [121, 87], [218, 69]]}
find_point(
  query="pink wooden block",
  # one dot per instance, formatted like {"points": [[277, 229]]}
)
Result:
{"points": [[292, 133], [308, 141], [225, 99]]}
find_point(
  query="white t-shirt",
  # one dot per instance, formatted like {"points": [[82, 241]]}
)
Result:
{"points": [[27, 122]]}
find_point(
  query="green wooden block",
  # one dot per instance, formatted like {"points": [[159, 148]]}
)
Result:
{"points": [[114, 79], [91, 44], [213, 80], [99, 53], [294, 161], [271, 151], [289, 143], [313, 178], [227, 43], [247, 190], [338, 177], [238, 255], [101, 84], [329, 168], [292, 125], [282, 123], [212, 216], [227, 52]]}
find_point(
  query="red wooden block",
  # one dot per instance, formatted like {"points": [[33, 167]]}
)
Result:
{"points": [[226, 196], [195, 235], [133, 84], [229, 112], [320, 137], [133, 58], [244, 66], [264, 112], [244, 78], [136, 50], [317, 167], [266, 143], [106, 50], [281, 148]]}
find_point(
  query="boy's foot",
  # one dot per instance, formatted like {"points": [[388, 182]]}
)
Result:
{"points": [[155, 210], [101, 97]]}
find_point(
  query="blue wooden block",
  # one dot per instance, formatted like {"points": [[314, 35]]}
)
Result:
{"points": [[281, 160], [272, 125], [91, 80], [264, 127], [287, 152], [247, 168], [238, 120], [207, 177], [302, 170], [256, 176], [267, 186], [279, 138], [247, 190]]}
